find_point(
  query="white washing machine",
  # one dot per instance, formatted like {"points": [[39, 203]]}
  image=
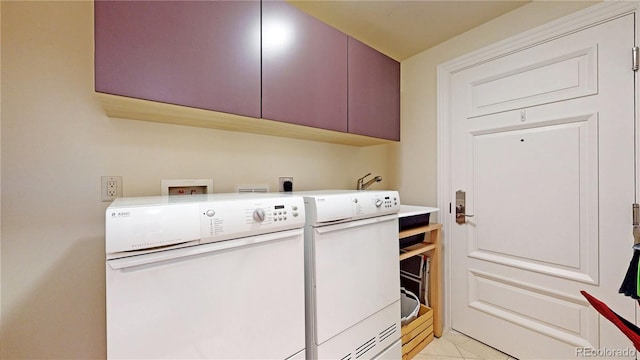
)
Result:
{"points": [[205, 277], [352, 274]]}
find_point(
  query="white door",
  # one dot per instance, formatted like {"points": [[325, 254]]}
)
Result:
{"points": [[543, 147]]}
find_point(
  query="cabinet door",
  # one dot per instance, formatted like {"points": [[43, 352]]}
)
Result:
{"points": [[374, 92], [304, 69], [202, 54]]}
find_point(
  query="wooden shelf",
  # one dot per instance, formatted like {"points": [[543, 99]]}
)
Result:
{"points": [[417, 249], [137, 109], [419, 230], [431, 245]]}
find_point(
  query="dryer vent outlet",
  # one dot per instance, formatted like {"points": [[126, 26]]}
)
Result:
{"points": [[285, 183]]}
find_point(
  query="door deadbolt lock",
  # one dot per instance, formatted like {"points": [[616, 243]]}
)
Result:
{"points": [[461, 217]]}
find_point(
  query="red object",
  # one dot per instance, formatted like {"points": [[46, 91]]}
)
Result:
{"points": [[629, 329]]}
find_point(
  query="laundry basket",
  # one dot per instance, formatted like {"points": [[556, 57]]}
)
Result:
{"points": [[410, 306]]}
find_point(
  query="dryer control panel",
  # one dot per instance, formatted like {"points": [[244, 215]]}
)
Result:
{"points": [[345, 205], [232, 219], [134, 225]]}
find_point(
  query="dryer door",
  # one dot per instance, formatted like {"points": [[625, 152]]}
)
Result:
{"points": [[356, 272], [207, 301]]}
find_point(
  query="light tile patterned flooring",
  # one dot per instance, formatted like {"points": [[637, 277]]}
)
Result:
{"points": [[453, 345]]}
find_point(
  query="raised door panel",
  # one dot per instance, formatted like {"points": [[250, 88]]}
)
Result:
{"points": [[374, 92], [510, 170], [574, 73], [304, 69], [201, 54]]}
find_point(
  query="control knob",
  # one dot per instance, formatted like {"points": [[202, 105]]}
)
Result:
{"points": [[378, 203], [259, 215]]}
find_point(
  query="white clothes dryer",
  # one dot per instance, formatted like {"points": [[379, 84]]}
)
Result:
{"points": [[352, 274], [205, 277]]}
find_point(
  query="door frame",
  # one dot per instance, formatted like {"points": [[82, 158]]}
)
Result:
{"points": [[579, 20]]}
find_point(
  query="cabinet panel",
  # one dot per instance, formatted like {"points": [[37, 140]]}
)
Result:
{"points": [[374, 92], [202, 54], [304, 69]]}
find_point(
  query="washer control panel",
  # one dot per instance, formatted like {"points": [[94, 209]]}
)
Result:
{"points": [[232, 219]]}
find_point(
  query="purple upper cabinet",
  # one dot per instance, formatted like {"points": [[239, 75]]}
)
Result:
{"points": [[304, 69], [202, 54], [374, 93]]}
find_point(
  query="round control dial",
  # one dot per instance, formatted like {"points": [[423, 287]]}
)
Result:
{"points": [[378, 202], [259, 215], [210, 212]]}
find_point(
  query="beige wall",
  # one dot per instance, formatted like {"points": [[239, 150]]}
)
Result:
{"points": [[0, 179], [57, 142], [416, 156]]}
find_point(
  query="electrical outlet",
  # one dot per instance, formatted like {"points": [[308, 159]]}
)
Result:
{"points": [[111, 187], [281, 181]]}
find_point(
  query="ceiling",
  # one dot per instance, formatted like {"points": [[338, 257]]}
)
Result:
{"points": [[401, 28]]}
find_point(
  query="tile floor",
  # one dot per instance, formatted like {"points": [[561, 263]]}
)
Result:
{"points": [[453, 345]]}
